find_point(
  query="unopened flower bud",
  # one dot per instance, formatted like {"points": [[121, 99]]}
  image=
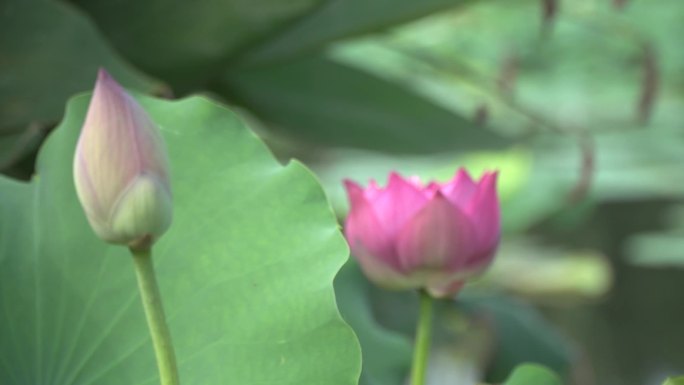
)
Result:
{"points": [[121, 169]]}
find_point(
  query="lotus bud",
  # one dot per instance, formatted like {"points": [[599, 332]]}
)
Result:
{"points": [[431, 237], [121, 169]]}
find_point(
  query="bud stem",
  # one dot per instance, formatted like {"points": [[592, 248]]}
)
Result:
{"points": [[156, 320], [421, 349]]}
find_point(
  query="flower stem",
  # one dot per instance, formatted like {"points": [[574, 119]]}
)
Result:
{"points": [[156, 320], [423, 336]]}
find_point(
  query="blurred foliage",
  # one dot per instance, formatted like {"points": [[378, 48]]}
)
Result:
{"points": [[337, 19], [48, 52], [325, 102], [386, 354], [662, 248], [577, 103], [532, 374], [188, 43], [521, 335], [674, 381], [549, 275]]}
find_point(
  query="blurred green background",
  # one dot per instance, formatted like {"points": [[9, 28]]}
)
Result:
{"points": [[578, 103]]}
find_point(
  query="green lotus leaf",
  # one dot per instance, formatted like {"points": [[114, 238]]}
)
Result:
{"points": [[246, 270]]}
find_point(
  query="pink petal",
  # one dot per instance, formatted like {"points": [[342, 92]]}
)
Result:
{"points": [[355, 193], [415, 180], [395, 205], [367, 238], [485, 213], [385, 276], [445, 287], [440, 236], [373, 190], [431, 189], [460, 190]]}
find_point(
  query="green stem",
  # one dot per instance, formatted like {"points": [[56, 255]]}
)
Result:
{"points": [[421, 350], [156, 320]]}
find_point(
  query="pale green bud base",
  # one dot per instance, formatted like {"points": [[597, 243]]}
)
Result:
{"points": [[156, 320], [421, 350]]}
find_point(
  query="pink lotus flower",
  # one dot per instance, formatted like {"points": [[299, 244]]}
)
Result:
{"points": [[121, 169], [435, 237]]}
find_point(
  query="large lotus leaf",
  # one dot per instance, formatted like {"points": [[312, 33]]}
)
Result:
{"points": [[246, 269], [319, 100], [338, 19], [386, 354], [48, 52], [185, 42]]}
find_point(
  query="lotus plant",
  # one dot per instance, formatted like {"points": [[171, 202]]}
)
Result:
{"points": [[432, 237], [121, 174]]}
